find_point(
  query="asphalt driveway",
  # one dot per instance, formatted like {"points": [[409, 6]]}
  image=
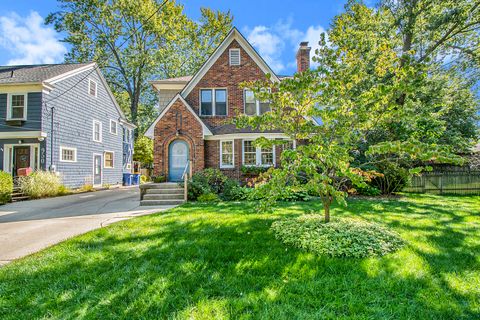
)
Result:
{"points": [[29, 226]]}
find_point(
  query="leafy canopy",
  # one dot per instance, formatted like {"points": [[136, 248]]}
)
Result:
{"points": [[134, 41], [363, 85]]}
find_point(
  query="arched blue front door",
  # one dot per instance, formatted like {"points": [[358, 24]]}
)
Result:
{"points": [[177, 159]]}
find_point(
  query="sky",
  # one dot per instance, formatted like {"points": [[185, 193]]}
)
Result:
{"points": [[274, 28]]}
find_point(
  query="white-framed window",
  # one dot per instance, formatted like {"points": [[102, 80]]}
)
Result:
{"points": [[92, 87], [17, 106], [227, 154], [252, 106], [213, 102], [113, 127], [97, 131], [108, 159], [256, 156], [234, 57], [68, 154]]}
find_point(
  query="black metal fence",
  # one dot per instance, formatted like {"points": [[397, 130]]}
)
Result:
{"points": [[454, 182]]}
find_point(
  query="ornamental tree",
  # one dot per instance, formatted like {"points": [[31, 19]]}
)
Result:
{"points": [[363, 85]]}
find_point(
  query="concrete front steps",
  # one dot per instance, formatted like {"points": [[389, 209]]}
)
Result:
{"points": [[159, 194], [17, 195]]}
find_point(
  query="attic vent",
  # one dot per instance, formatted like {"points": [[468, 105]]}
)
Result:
{"points": [[234, 57]]}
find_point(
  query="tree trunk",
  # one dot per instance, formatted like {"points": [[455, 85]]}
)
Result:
{"points": [[134, 109], [326, 210]]}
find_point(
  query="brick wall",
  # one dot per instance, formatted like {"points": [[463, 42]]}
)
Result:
{"points": [[190, 130], [222, 75], [212, 158]]}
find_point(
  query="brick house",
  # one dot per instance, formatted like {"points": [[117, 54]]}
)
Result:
{"points": [[193, 128]]}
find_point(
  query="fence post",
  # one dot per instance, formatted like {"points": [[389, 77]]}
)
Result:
{"points": [[441, 184]]}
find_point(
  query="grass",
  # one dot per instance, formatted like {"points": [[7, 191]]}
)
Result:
{"points": [[221, 261]]}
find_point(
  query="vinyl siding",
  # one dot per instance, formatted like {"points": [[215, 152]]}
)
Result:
{"points": [[73, 127]]}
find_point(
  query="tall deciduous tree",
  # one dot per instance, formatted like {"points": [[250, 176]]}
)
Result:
{"points": [[133, 41]]}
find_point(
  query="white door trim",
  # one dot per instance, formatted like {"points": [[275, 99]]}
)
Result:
{"points": [[8, 165], [101, 169]]}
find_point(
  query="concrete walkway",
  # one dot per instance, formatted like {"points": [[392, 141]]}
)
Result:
{"points": [[29, 226]]}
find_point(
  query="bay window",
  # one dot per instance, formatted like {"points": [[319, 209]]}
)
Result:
{"points": [[256, 156], [213, 102]]}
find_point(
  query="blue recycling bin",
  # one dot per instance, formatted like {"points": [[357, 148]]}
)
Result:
{"points": [[136, 179], [127, 179]]}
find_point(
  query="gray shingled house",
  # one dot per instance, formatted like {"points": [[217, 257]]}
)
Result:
{"points": [[63, 118]]}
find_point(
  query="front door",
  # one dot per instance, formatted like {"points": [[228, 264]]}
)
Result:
{"points": [[178, 159], [21, 158], [97, 169]]}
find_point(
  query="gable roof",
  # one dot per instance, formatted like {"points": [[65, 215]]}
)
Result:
{"points": [[30, 74], [151, 130], [234, 34]]}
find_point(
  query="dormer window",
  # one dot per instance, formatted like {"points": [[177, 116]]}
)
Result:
{"points": [[92, 88], [17, 107], [234, 57], [213, 102]]}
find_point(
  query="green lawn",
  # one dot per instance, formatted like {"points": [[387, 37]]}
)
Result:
{"points": [[221, 261]]}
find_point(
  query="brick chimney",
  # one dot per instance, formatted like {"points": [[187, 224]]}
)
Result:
{"points": [[303, 57]]}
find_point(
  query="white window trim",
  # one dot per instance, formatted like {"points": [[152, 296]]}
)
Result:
{"points": [[257, 104], [93, 131], [8, 149], [228, 166], [68, 148], [214, 107], [96, 87], [104, 158], [258, 156], [10, 108], [230, 57], [116, 126]]}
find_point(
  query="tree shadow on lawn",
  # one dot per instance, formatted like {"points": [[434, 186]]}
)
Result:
{"points": [[204, 263]]}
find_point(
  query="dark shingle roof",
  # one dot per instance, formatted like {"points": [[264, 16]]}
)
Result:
{"points": [[231, 128], [35, 73]]}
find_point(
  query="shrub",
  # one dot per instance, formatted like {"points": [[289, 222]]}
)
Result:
{"points": [[64, 190], [207, 181], [213, 178], [368, 191], [287, 193], [230, 190], [143, 179], [40, 184], [196, 189], [208, 197], [6, 187], [394, 178], [86, 188], [343, 237], [252, 170], [159, 179]]}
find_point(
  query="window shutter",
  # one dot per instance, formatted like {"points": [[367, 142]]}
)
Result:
{"points": [[234, 57]]}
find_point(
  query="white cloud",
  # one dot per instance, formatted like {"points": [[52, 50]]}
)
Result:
{"points": [[276, 42], [268, 44], [29, 40]]}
